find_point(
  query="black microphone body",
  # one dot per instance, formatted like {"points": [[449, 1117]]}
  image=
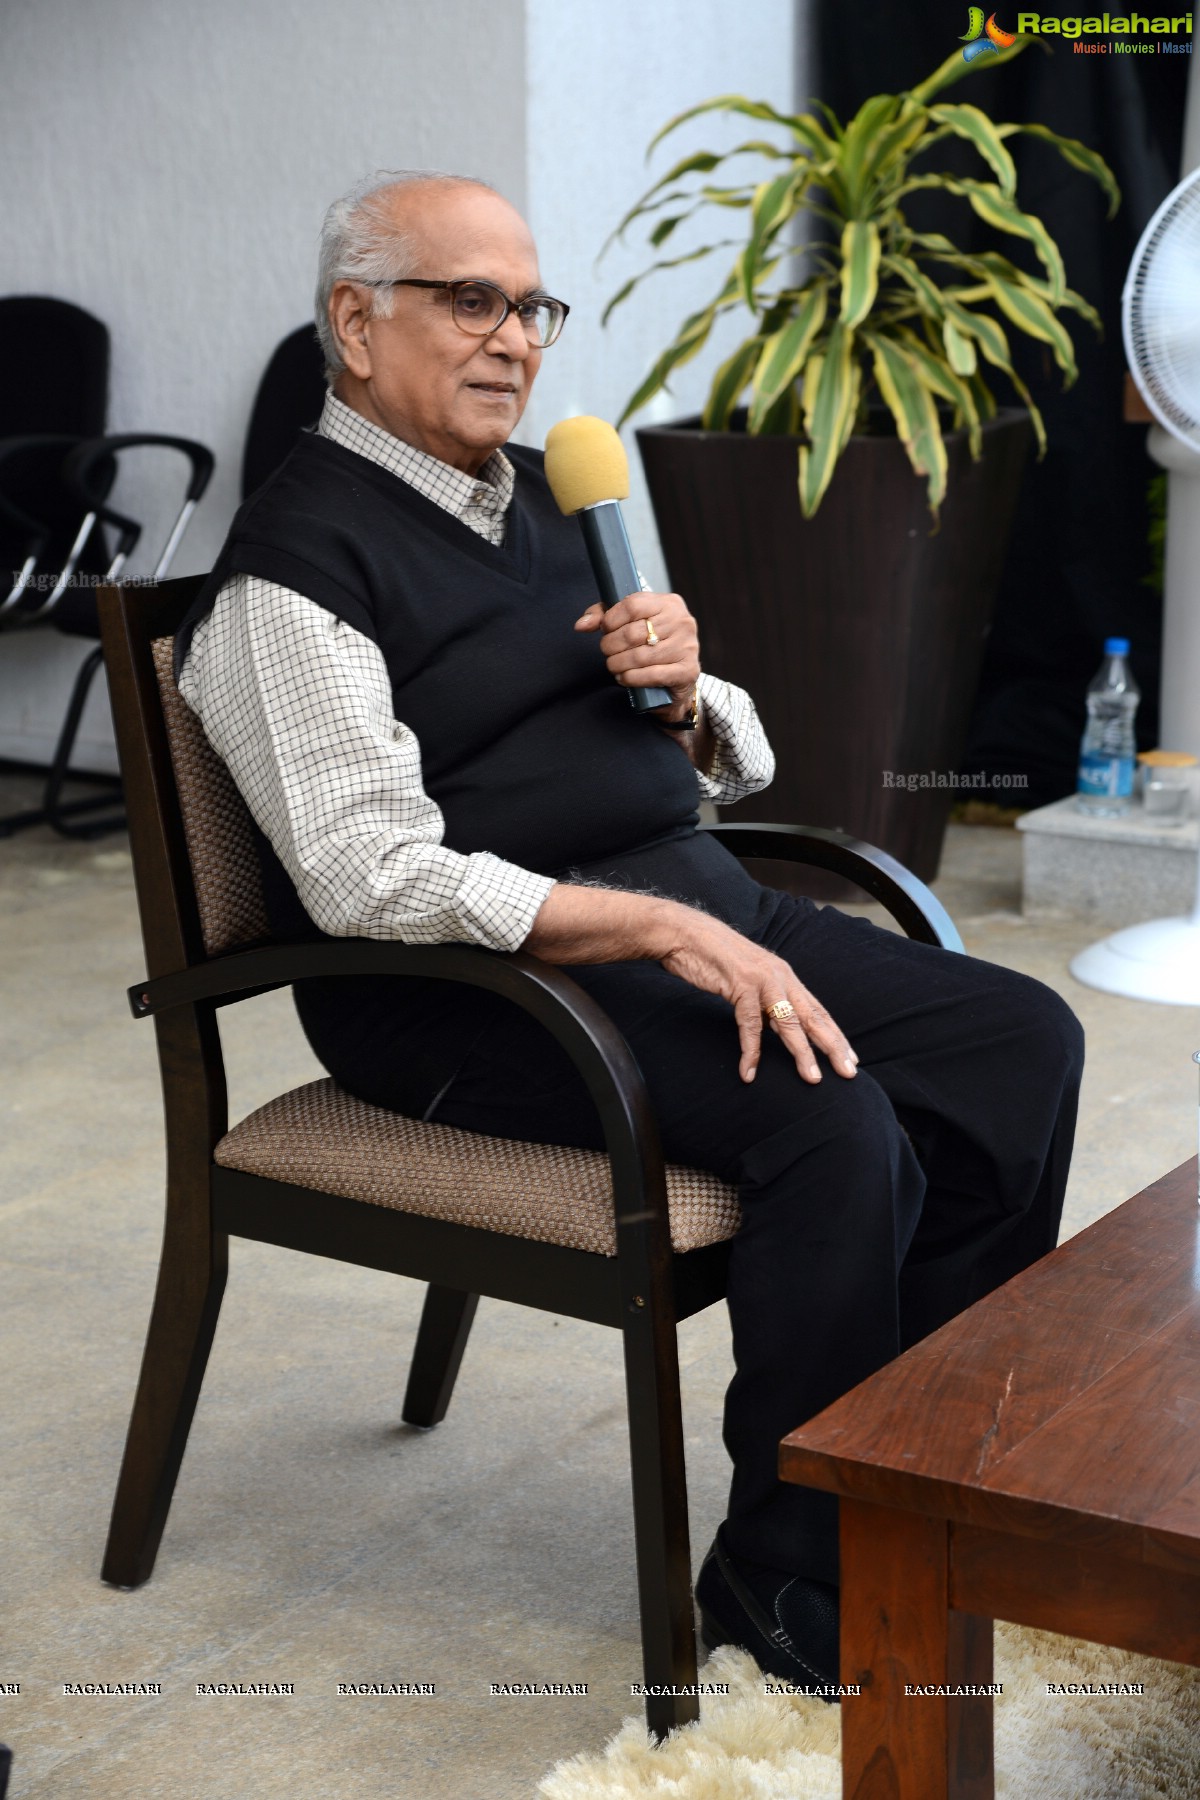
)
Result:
{"points": [[611, 557]]}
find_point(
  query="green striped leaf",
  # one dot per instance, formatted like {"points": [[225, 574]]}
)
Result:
{"points": [[1077, 154], [696, 162], [1075, 301], [989, 263], [927, 291], [912, 405], [772, 208], [1032, 314], [782, 419], [729, 383], [802, 125], [949, 385], [670, 262], [812, 381], [960, 349], [1039, 424], [676, 354], [701, 162], [892, 147], [968, 122], [860, 269], [862, 136], [785, 351], [987, 332], [983, 396], [828, 399], [992, 341], [689, 340], [851, 414], [955, 68], [991, 206], [935, 242], [994, 209]]}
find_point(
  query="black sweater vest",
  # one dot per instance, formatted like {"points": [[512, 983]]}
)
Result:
{"points": [[528, 746]]}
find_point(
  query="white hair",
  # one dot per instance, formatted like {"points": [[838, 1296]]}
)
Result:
{"points": [[360, 241]]}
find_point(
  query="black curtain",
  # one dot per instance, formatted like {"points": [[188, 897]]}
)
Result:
{"points": [[1079, 552]]}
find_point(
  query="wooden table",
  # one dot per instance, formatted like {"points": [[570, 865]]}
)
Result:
{"points": [[1037, 1459]]}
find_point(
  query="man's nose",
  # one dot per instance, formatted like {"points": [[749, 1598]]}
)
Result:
{"points": [[509, 340]]}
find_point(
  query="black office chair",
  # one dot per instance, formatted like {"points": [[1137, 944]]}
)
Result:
{"points": [[58, 557], [55, 391], [289, 400], [56, 367]]}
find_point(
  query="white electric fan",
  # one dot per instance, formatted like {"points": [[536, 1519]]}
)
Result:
{"points": [[1160, 317]]}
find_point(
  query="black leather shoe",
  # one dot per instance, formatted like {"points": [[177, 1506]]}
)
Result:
{"points": [[788, 1623]]}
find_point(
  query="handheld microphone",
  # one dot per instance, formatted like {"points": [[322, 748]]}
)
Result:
{"points": [[588, 473]]}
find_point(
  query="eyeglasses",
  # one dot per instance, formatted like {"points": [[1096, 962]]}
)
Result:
{"points": [[480, 308]]}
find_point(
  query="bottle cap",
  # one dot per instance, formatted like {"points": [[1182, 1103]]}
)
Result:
{"points": [[1116, 646]]}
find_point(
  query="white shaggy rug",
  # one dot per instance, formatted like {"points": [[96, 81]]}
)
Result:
{"points": [[752, 1746]]}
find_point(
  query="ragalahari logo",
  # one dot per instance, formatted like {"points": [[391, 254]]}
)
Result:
{"points": [[988, 38]]}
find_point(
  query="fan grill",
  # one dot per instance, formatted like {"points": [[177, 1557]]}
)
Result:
{"points": [[1161, 312]]}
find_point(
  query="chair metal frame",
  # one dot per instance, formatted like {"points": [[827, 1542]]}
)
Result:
{"points": [[87, 472], [642, 1291]]}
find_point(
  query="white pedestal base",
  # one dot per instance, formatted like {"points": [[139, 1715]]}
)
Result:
{"points": [[1156, 961]]}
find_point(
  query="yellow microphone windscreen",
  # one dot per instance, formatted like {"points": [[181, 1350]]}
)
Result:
{"points": [[585, 463]]}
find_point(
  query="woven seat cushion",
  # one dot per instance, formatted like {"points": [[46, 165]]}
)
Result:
{"points": [[321, 1137]]}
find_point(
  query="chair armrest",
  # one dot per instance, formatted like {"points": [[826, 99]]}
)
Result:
{"points": [[913, 906], [84, 462], [36, 533], [85, 472], [580, 1024]]}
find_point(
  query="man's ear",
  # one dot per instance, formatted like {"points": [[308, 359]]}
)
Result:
{"points": [[348, 317]]}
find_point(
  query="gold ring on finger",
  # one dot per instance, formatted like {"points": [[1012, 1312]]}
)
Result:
{"points": [[651, 634], [781, 1011]]}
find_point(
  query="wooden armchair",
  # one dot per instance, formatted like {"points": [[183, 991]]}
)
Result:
{"points": [[613, 1237]]}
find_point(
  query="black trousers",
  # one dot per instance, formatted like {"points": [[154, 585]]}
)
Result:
{"points": [[873, 1209]]}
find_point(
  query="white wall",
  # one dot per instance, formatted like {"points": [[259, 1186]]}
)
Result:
{"points": [[167, 168], [602, 79]]}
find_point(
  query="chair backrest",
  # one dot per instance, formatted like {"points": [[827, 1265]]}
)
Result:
{"points": [[216, 823], [289, 399], [56, 359], [195, 862], [56, 367]]}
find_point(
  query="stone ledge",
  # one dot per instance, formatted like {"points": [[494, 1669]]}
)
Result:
{"points": [[1108, 871]]}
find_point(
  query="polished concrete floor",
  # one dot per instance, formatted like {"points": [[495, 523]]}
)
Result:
{"points": [[313, 1540]]}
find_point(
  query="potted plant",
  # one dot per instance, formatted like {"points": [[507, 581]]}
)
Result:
{"points": [[868, 383]]}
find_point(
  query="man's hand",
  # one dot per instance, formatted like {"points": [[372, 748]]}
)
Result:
{"points": [[672, 662], [718, 959], [589, 925]]}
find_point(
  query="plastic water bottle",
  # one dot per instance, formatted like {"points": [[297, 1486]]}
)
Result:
{"points": [[1108, 751]]}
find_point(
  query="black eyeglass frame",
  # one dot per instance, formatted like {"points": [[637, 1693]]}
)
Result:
{"points": [[510, 306]]}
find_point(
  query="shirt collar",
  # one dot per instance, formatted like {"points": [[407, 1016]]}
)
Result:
{"points": [[488, 492]]}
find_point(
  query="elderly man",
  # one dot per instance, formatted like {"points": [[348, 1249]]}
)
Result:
{"points": [[402, 660]]}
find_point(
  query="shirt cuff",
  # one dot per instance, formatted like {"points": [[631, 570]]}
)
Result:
{"points": [[744, 762], [497, 901]]}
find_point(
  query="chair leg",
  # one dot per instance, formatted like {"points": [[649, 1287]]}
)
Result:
{"points": [[58, 815], [446, 1320], [660, 1519], [182, 1324]]}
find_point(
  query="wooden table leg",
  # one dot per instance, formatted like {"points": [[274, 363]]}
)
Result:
{"points": [[898, 1632]]}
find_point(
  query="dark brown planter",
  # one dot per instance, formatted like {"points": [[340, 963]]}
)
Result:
{"points": [[860, 632]]}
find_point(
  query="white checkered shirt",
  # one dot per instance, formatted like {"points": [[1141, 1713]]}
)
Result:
{"points": [[299, 706]]}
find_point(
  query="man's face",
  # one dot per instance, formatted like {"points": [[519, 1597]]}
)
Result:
{"points": [[417, 374]]}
